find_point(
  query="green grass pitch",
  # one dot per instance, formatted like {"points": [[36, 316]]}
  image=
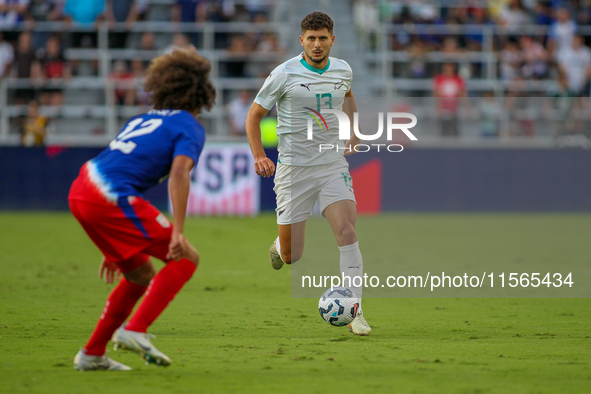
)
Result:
{"points": [[235, 328]]}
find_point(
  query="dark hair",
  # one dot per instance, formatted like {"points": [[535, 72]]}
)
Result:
{"points": [[180, 80], [317, 21]]}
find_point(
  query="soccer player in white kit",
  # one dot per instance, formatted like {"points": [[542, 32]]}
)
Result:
{"points": [[305, 173]]}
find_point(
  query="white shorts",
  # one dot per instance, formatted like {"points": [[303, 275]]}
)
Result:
{"points": [[299, 187]]}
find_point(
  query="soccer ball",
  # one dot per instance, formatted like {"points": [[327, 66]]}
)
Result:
{"points": [[338, 306]]}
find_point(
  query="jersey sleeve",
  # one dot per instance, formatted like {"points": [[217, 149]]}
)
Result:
{"points": [[345, 72], [272, 89], [190, 141], [349, 77]]}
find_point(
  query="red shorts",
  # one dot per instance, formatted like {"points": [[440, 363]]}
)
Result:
{"points": [[126, 231]]}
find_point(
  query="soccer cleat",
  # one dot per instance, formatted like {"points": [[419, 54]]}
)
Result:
{"points": [[139, 343], [84, 362], [275, 258], [359, 325]]}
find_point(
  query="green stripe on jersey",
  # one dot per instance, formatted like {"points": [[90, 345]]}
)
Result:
{"points": [[316, 70]]}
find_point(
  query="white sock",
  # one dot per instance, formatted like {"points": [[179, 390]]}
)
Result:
{"points": [[351, 264], [278, 247]]}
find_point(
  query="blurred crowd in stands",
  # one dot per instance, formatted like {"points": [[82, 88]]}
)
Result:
{"points": [[559, 49], [121, 15], [543, 42], [534, 41], [40, 55]]}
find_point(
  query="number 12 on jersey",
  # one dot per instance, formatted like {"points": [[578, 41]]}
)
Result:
{"points": [[121, 142]]}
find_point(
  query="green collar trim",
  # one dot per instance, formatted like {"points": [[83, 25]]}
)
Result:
{"points": [[313, 69]]}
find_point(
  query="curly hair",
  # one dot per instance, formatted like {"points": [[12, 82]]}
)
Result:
{"points": [[180, 80], [317, 21]]}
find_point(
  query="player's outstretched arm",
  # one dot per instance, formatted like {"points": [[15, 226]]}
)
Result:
{"points": [[350, 107], [180, 183], [262, 164]]}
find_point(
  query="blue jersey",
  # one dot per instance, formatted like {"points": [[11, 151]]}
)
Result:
{"points": [[141, 155]]}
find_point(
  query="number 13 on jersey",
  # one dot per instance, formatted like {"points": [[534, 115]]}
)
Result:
{"points": [[324, 99]]}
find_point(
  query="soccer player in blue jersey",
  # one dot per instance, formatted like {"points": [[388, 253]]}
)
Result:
{"points": [[107, 200]]}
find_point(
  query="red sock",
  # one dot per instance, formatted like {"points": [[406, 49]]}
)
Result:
{"points": [[118, 307], [165, 285]]}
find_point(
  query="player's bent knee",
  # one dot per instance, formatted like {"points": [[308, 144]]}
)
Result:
{"points": [[194, 259], [347, 235], [148, 276], [142, 275], [193, 256]]}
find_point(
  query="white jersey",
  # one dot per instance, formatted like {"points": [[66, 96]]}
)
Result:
{"points": [[301, 92]]}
